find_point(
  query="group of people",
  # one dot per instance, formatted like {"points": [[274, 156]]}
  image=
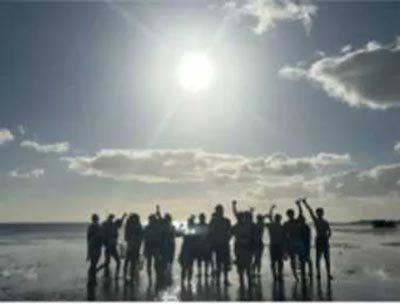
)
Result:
{"points": [[208, 244]]}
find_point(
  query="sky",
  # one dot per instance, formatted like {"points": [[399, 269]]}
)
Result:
{"points": [[304, 102]]}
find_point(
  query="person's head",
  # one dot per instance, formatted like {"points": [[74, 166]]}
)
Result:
{"points": [[301, 219], [290, 214], [319, 212], [191, 220], [260, 218], [202, 218], [168, 218], [135, 218], [247, 217], [95, 218], [240, 217], [219, 210], [277, 218], [110, 217], [152, 219]]}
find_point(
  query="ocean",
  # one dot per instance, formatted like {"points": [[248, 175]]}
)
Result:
{"points": [[48, 262]]}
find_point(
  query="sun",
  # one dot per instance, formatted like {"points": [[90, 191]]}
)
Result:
{"points": [[195, 72]]}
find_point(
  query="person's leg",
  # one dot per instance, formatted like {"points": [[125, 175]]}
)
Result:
{"points": [[149, 259], [115, 256], [280, 268], [107, 261], [327, 262], [318, 262], [293, 265], [190, 272], [125, 267]]}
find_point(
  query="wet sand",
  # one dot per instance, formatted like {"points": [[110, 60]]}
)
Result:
{"points": [[51, 266]]}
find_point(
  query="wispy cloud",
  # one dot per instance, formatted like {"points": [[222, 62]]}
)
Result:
{"points": [[183, 166], [5, 136], [364, 77], [36, 173], [59, 147], [268, 13]]}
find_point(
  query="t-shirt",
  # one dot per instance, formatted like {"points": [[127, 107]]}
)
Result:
{"points": [[220, 230], [276, 234]]}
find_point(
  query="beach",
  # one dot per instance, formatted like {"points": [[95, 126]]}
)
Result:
{"points": [[47, 262]]}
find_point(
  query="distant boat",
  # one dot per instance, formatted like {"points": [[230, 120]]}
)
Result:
{"points": [[384, 224]]}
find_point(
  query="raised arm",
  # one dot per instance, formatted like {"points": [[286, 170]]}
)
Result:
{"points": [[158, 212], [298, 203], [310, 210], [234, 208], [270, 213]]}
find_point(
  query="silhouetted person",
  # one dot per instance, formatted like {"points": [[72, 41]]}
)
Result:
{"points": [[323, 234], [168, 244], [258, 244], [187, 254], [294, 246], [110, 236], [94, 245], [243, 246], [202, 245], [220, 234], [133, 237], [152, 246], [276, 243], [305, 232]]}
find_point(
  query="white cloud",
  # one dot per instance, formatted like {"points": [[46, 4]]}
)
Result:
{"points": [[378, 181], [21, 129], [182, 166], [36, 173], [397, 147], [5, 136], [364, 77], [268, 13], [59, 147]]}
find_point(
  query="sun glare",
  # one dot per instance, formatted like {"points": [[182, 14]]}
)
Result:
{"points": [[195, 72]]}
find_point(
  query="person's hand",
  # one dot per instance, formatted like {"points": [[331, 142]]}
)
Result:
{"points": [[234, 203], [158, 208], [273, 206], [125, 214], [251, 209]]}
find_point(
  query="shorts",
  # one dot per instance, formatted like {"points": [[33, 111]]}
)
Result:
{"points": [[222, 252], [296, 248], [276, 252], [322, 246]]}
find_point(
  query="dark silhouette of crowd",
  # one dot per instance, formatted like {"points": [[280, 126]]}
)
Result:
{"points": [[207, 245]]}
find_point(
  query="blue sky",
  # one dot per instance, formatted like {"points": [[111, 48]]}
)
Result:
{"points": [[101, 76]]}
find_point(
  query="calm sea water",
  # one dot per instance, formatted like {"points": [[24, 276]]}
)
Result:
{"points": [[47, 262]]}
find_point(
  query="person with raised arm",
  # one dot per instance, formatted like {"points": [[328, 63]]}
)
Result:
{"points": [[305, 236], [293, 240], [276, 243], [110, 237], [323, 234]]}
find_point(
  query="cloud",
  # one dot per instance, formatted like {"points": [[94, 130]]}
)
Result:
{"points": [[365, 77], [5, 136], [397, 147], [186, 166], [378, 181], [21, 129], [59, 147], [36, 173], [268, 13]]}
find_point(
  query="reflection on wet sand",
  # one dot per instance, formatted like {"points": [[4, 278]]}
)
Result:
{"points": [[207, 290]]}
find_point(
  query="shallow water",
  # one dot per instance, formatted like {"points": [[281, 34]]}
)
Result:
{"points": [[47, 262]]}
